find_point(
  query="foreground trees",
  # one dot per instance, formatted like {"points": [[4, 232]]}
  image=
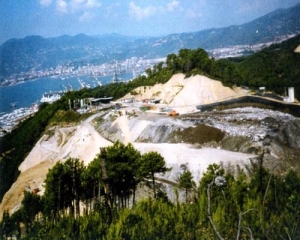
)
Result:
{"points": [[63, 189], [259, 206], [110, 180], [151, 163]]}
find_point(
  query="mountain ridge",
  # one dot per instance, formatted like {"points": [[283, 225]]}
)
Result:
{"points": [[36, 52]]}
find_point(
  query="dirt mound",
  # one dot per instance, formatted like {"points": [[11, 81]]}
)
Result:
{"points": [[181, 91]]}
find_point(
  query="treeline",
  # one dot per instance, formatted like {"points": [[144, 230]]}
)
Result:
{"points": [[98, 202]]}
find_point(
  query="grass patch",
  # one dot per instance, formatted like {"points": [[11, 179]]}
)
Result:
{"points": [[65, 116], [156, 94]]}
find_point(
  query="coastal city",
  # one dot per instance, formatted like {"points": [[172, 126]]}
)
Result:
{"points": [[243, 50], [10, 120], [134, 65]]}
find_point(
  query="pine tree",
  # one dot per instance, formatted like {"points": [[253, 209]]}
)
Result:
{"points": [[186, 182], [151, 163]]}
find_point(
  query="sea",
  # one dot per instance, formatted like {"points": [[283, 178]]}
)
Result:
{"points": [[23, 95]]}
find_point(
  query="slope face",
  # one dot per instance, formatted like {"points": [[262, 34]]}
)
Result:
{"points": [[81, 142], [200, 90]]}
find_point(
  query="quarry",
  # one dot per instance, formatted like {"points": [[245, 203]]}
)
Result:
{"points": [[191, 139]]}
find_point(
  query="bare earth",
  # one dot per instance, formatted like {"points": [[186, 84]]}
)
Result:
{"points": [[297, 50], [84, 142], [183, 94]]}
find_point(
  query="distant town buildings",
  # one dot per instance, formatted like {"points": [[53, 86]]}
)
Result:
{"points": [[134, 65], [242, 50]]}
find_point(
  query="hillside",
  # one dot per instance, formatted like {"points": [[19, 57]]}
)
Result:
{"points": [[14, 149], [182, 141], [276, 67], [84, 142]]}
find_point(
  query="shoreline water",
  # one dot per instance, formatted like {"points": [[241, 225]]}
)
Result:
{"points": [[24, 94]]}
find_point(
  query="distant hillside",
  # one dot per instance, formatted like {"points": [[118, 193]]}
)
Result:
{"points": [[37, 53], [276, 67]]}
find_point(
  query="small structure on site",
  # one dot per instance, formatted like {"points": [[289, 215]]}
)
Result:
{"points": [[262, 90], [290, 96], [97, 101]]}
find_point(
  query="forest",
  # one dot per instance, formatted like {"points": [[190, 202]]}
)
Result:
{"points": [[243, 207]]}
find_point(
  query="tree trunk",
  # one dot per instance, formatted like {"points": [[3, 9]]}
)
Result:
{"points": [[153, 182], [133, 196], [209, 214], [186, 195]]}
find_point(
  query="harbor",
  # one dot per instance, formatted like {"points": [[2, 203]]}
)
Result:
{"points": [[8, 121], [22, 100]]}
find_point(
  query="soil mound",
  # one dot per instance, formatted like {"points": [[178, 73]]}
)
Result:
{"points": [[181, 91]]}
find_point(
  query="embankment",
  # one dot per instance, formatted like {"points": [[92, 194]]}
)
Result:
{"points": [[244, 101]]}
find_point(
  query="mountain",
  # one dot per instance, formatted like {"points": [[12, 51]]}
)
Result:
{"points": [[269, 28], [37, 53]]}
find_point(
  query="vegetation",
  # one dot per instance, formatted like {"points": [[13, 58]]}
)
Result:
{"points": [[276, 67], [261, 205], [198, 134], [186, 182]]}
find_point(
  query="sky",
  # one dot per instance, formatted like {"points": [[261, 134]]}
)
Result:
{"points": [[144, 18]]}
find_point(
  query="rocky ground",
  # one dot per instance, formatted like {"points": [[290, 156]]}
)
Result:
{"points": [[246, 130]]}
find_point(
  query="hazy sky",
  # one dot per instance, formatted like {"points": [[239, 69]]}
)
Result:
{"points": [[49, 18]]}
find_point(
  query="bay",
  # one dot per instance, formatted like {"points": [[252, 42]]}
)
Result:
{"points": [[31, 91]]}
